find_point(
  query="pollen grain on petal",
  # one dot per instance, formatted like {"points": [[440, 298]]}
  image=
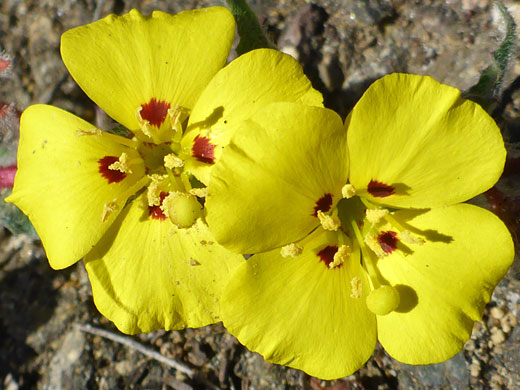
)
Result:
{"points": [[388, 241], [323, 204], [327, 254], [203, 150], [380, 190], [291, 250], [155, 111], [112, 176]]}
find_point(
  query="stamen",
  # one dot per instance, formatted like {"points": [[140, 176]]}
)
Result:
{"points": [[154, 190], [200, 192], [109, 208], [144, 125], [122, 165], [113, 206], [348, 191], [373, 244], [356, 287], [328, 222], [172, 161], [409, 238], [175, 114], [115, 138], [340, 256], [291, 250], [374, 216]]}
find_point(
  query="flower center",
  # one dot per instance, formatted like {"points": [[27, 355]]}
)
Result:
{"points": [[156, 156]]}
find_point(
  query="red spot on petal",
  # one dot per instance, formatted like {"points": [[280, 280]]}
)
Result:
{"points": [[7, 176], [323, 204], [111, 175], [203, 150], [327, 254], [155, 111], [380, 190], [388, 241], [155, 211]]}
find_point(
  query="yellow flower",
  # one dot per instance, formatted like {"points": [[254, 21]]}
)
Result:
{"points": [[133, 207], [392, 255]]}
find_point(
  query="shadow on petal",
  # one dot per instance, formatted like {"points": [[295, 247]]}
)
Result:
{"points": [[408, 298]]}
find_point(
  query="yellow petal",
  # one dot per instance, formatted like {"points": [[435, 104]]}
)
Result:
{"points": [[445, 283], [282, 167], [60, 183], [147, 274], [421, 145], [298, 312], [250, 82], [123, 62]]}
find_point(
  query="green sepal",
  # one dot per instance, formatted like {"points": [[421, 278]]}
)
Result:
{"points": [[251, 33]]}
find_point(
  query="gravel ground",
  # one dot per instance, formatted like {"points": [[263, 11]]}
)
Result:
{"points": [[343, 45]]}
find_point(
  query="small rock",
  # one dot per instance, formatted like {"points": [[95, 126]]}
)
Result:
{"points": [[497, 336], [496, 313]]}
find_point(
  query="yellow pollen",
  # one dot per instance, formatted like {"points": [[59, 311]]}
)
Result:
{"points": [[174, 114], [154, 190], [373, 244], [121, 165], [374, 216], [96, 131], [143, 123], [342, 255], [108, 209], [291, 250], [409, 238], [355, 287], [348, 191], [328, 222], [172, 161], [200, 192]]}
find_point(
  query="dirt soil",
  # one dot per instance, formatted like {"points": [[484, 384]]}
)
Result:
{"points": [[343, 46]]}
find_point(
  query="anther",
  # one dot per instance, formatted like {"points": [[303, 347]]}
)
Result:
{"points": [[200, 192], [143, 123], [154, 190], [122, 165], [374, 245], [291, 250], [174, 114], [172, 161], [109, 208], [348, 191], [356, 287], [374, 216], [328, 222], [409, 238], [340, 256]]}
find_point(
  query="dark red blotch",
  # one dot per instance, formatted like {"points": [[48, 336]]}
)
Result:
{"points": [[380, 190], [111, 175], [388, 241], [155, 111], [203, 150], [155, 211], [327, 255], [323, 204]]}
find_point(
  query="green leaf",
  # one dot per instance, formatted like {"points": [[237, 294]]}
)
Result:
{"points": [[12, 218], [487, 90], [251, 33]]}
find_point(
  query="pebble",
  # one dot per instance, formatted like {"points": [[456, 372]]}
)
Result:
{"points": [[497, 336]]}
